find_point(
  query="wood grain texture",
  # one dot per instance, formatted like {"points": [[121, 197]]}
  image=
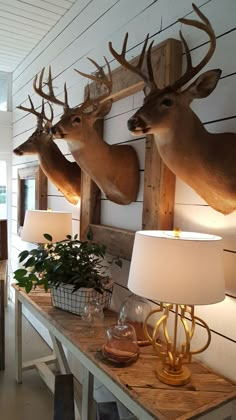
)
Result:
{"points": [[118, 241], [3, 240], [159, 181], [204, 393], [90, 198]]}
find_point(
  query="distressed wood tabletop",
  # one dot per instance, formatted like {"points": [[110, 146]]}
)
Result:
{"points": [[205, 392]]}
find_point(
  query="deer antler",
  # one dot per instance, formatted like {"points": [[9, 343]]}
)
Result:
{"points": [[100, 78], [191, 71], [148, 79], [41, 116], [49, 96]]}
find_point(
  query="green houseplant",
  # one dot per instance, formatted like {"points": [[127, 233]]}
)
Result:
{"points": [[68, 266]]}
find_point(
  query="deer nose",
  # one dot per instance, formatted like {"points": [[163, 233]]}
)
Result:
{"points": [[18, 151], [134, 123], [53, 130]]}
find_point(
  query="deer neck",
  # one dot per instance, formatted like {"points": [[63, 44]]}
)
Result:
{"points": [[65, 175], [103, 163], [91, 152], [50, 157], [180, 139]]}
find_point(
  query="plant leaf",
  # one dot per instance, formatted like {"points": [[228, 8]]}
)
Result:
{"points": [[23, 255], [33, 277], [30, 262], [48, 237], [28, 286], [90, 234], [21, 272]]}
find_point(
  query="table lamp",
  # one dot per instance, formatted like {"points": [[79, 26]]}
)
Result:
{"points": [[179, 270], [38, 222]]}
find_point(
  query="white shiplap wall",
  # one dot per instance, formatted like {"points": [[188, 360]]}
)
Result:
{"points": [[23, 24], [85, 31]]}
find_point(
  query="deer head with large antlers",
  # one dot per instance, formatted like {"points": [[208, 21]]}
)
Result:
{"points": [[65, 175], [113, 168], [205, 161]]}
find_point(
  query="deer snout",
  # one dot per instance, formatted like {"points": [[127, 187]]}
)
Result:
{"points": [[53, 129], [18, 151], [136, 123], [57, 132]]}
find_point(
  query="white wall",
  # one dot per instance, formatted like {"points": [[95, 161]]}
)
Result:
{"points": [[5, 132], [85, 31], [5, 155]]}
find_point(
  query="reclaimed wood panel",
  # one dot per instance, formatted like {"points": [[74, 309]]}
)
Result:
{"points": [[159, 181]]}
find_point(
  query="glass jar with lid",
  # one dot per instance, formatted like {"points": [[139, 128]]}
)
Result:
{"points": [[121, 346]]}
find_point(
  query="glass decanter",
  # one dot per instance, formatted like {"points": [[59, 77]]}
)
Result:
{"points": [[92, 314]]}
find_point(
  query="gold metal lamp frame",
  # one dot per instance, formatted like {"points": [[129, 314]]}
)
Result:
{"points": [[172, 371]]}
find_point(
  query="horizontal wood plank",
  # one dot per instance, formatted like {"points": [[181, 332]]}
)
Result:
{"points": [[118, 242]]}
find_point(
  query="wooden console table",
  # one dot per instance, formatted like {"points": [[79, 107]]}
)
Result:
{"points": [[207, 396]]}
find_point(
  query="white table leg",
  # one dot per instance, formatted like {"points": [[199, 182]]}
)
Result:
{"points": [[18, 339], [60, 354]]}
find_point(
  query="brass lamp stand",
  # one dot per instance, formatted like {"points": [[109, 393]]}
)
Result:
{"points": [[172, 371], [181, 269]]}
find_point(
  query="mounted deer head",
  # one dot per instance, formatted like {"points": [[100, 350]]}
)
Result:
{"points": [[205, 161], [62, 173], [113, 168]]}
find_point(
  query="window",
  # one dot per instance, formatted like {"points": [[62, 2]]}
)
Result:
{"points": [[5, 83], [32, 191], [3, 190]]}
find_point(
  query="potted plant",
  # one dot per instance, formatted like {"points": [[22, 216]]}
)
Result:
{"points": [[74, 271]]}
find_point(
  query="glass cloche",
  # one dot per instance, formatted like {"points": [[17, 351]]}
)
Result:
{"points": [[134, 310], [121, 346]]}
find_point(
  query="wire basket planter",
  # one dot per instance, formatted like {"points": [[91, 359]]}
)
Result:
{"points": [[64, 298]]}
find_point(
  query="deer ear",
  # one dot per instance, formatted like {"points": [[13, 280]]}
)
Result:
{"points": [[101, 110], [203, 85]]}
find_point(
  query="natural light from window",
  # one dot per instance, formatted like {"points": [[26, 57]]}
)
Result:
{"points": [[4, 90], [3, 190]]}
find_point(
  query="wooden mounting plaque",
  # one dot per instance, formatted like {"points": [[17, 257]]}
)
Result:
{"points": [[159, 181]]}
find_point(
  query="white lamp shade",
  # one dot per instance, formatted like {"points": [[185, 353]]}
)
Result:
{"points": [[185, 270], [38, 222]]}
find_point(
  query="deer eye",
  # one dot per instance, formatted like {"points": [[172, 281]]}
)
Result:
{"points": [[167, 102], [76, 120]]}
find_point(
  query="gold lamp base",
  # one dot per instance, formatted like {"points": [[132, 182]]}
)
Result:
{"points": [[172, 377], [172, 371]]}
